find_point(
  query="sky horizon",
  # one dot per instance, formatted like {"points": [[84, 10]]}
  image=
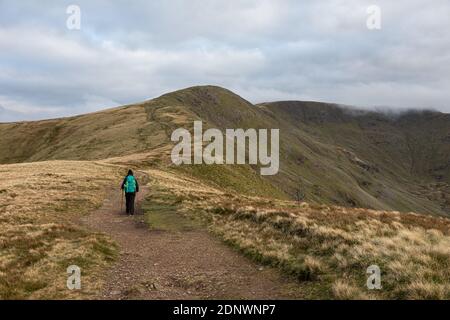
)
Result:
{"points": [[268, 50]]}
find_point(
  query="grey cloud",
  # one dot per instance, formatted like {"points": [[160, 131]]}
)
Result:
{"points": [[264, 50]]}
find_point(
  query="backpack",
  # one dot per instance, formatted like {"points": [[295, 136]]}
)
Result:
{"points": [[130, 184]]}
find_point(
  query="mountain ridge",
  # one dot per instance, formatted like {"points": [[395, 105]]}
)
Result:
{"points": [[328, 154], [388, 111]]}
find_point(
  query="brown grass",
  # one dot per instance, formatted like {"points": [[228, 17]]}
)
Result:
{"points": [[40, 236], [326, 246]]}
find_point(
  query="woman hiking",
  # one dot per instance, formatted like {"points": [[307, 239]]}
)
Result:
{"points": [[130, 186]]}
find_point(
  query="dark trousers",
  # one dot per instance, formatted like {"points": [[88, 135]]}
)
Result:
{"points": [[130, 202]]}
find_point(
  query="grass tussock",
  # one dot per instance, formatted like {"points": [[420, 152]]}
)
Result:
{"points": [[40, 236], [328, 248]]}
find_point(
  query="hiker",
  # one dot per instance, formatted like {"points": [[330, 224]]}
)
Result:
{"points": [[130, 186]]}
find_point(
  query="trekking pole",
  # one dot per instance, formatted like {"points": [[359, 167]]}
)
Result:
{"points": [[121, 202]]}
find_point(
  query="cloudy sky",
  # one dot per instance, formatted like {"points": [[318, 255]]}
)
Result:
{"points": [[264, 50]]}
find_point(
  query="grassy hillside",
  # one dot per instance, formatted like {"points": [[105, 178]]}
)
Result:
{"points": [[326, 248], [40, 207], [336, 156], [365, 159], [329, 155], [339, 164], [110, 133]]}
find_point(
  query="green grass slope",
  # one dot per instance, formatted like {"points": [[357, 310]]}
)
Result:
{"points": [[366, 159]]}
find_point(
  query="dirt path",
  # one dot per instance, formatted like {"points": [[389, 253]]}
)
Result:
{"points": [[179, 265]]}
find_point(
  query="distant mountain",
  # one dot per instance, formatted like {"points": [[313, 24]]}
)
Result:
{"points": [[329, 154]]}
